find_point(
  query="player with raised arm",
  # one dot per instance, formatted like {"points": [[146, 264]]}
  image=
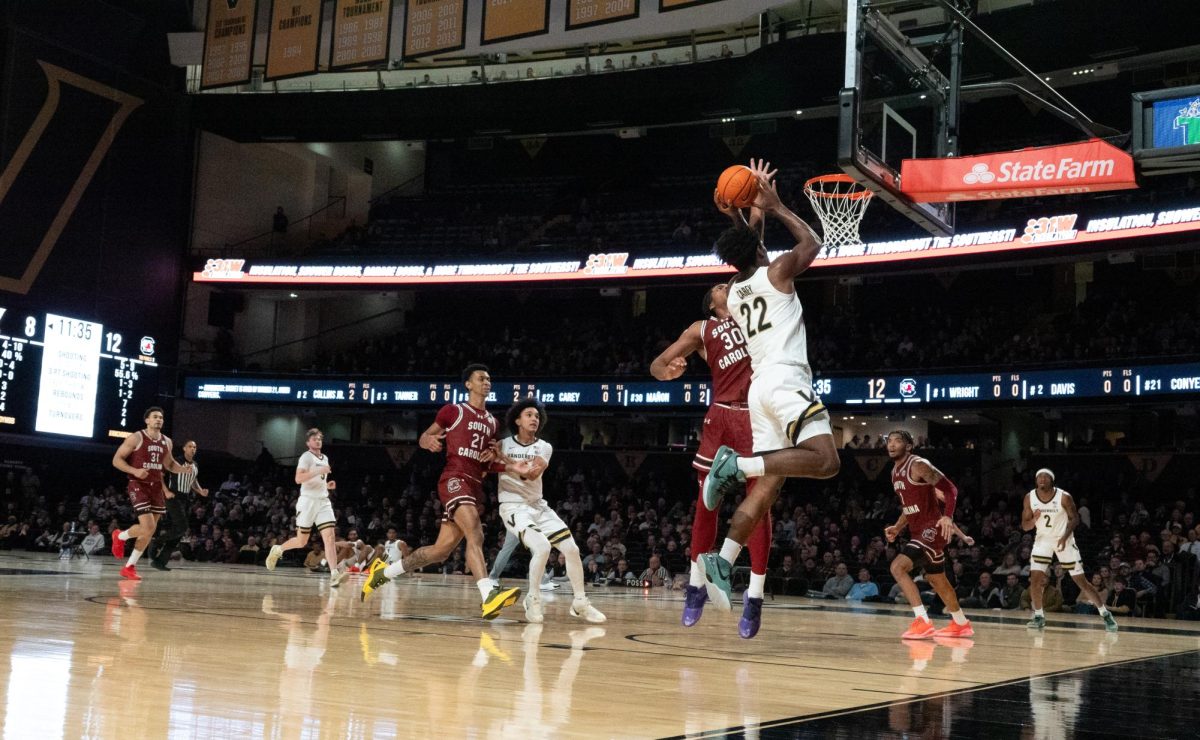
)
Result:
{"points": [[720, 342], [525, 513], [467, 431], [143, 456], [1051, 512], [930, 521], [313, 507], [790, 425]]}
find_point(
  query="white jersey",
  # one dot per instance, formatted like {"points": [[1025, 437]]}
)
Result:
{"points": [[772, 321], [512, 488], [314, 487], [1052, 516], [391, 551]]}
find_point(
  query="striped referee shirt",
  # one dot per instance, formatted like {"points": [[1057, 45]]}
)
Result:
{"points": [[183, 482]]}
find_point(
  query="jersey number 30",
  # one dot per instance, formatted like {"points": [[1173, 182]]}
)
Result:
{"points": [[760, 304]]}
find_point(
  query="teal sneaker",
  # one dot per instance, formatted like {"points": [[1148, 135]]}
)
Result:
{"points": [[723, 478], [1037, 623], [1110, 622], [716, 571]]}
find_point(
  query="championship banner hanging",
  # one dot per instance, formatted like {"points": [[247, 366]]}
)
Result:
{"points": [[1086, 167], [228, 41], [362, 31], [293, 38]]}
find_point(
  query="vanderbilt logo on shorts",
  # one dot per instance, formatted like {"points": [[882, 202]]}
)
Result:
{"points": [[454, 485], [929, 534]]}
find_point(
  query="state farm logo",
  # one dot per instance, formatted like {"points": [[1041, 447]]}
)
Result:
{"points": [[979, 175]]}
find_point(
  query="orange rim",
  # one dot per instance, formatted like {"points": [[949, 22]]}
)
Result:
{"points": [[840, 178]]}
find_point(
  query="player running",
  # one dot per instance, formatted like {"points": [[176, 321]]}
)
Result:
{"points": [[1050, 511], [313, 508]]}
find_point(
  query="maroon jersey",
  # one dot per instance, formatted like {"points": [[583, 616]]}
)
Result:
{"points": [[150, 455], [469, 431], [728, 359], [918, 501]]}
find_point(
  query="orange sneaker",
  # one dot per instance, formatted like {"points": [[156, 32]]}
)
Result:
{"points": [[920, 629], [956, 630], [118, 546], [130, 572]]}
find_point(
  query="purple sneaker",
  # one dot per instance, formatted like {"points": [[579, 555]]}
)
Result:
{"points": [[751, 617], [693, 604]]}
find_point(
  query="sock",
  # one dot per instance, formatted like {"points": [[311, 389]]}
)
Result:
{"points": [[921, 613], [752, 467], [730, 551], [1039, 613], [124, 535], [395, 569], [485, 587], [758, 583], [695, 579], [958, 616], [137, 554]]}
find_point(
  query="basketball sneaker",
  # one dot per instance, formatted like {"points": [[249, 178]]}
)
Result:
{"points": [[724, 477], [273, 556], [581, 607], [130, 572], [920, 629], [716, 579], [336, 576], [1110, 622], [118, 545], [694, 598], [374, 581], [751, 617], [497, 600], [1037, 623], [954, 629], [533, 609]]}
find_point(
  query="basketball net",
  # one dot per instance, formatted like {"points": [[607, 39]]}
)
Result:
{"points": [[840, 203]]}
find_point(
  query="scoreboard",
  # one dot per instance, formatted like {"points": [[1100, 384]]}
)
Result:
{"points": [[72, 376], [911, 390]]}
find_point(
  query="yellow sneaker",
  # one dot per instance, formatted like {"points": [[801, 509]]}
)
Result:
{"points": [[488, 645], [374, 581], [498, 599]]}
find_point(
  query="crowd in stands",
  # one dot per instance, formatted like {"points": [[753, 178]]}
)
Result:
{"points": [[635, 529]]}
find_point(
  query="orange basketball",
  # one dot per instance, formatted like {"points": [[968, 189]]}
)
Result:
{"points": [[737, 186]]}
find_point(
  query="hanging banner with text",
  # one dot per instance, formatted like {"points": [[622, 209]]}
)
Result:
{"points": [[228, 40], [362, 33], [293, 38], [1086, 167], [504, 20], [681, 4], [584, 13], [434, 26]]}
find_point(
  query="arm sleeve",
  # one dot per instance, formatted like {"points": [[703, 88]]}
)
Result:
{"points": [[447, 416], [950, 491]]}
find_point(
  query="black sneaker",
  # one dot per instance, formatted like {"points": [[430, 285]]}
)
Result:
{"points": [[159, 566]]}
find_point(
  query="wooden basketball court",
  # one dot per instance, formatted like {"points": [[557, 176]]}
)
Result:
{"points": [[234, 651]]}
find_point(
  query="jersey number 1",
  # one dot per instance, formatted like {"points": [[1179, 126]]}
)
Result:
{"points": [[760, 303]]}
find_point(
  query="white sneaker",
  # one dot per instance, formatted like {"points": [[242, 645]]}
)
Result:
{"points": [[550, 585], [336, 576], [583, 608], [533, 609], [273, 557]]}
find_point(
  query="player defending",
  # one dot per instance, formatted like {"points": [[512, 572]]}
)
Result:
{"points": [[918, 484], [526, 514], [790, 425], [720, 342], [142, 456], [1051, 512], [313, 507], [469, 432]]}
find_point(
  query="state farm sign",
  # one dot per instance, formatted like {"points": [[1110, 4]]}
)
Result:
{"points": [[1086, 167]]}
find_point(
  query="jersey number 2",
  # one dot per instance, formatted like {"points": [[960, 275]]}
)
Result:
{"points": [[1047, 521], [759, 303]]}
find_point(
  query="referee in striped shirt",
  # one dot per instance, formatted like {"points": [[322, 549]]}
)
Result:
{"points": [[178, 485]]}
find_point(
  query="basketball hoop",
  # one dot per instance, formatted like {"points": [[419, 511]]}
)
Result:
{"points": [[840, 202]]}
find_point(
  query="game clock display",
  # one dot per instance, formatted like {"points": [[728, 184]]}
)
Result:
{"points": [[61, 375]]}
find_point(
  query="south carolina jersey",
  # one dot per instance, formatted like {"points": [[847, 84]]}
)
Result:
{"points": [[149, 455], [918, 500], [728, 359], [773, 323], [514, 490], [469, 431], [1052, 516], [314, 487]]}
